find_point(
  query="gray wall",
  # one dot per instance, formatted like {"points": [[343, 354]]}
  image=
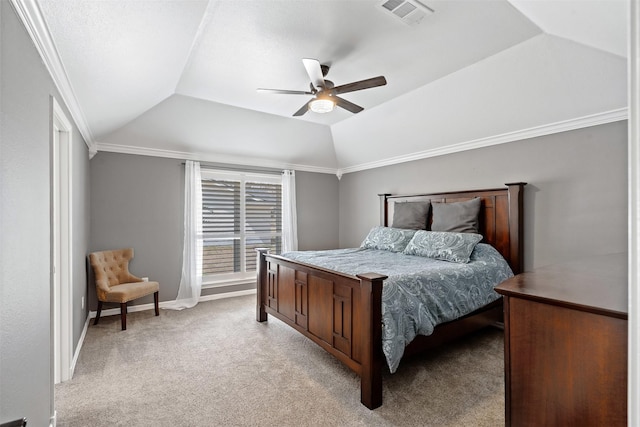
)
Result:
{"points": [[137, 201], [317, 202], [26, 386], [80, 217], [575, 200]]}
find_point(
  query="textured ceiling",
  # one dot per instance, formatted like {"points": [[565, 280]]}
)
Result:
{"points": [[125, 59], [599, 24]]}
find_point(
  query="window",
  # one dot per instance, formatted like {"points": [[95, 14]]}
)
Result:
{"points": [[240, 212]]}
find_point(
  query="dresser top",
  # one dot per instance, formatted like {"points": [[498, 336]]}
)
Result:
{"points": [[594, 284]]}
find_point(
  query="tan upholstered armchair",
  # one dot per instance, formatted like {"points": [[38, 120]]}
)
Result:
{"points": [[115, 284]]}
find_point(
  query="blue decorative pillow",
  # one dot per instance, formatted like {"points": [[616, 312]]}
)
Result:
{"points": [[387, 238], [446, 246]]}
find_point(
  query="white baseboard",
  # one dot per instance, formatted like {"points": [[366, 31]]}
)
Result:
{"points": [[76, 354], [149, 306]]}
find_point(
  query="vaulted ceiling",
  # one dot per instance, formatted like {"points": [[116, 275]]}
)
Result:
{"points": [[179, 78]]}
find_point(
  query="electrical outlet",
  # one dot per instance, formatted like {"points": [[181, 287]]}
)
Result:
{"points": [[145, 279], [82, 303]]}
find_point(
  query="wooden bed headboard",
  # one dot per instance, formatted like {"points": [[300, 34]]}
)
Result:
{"points": [[500, 219]]}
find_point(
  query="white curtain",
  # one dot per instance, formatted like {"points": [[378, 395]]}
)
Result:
{"points": [[289, 217], [191, 280]]}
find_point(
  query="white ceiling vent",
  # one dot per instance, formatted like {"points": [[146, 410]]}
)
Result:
{"points": [[411, 12]]}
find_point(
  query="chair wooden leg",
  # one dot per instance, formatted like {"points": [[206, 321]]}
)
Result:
{"points": [[95, 322], [155, 302], [123, 315]]}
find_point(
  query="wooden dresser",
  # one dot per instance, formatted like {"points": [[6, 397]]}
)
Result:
{"points": [[566, 344]]}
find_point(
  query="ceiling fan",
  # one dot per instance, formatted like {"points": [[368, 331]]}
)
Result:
{"points": [[324, 92]]}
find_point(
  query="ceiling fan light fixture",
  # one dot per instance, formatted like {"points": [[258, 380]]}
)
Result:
{"points": [[325, 92], [322, 105]]}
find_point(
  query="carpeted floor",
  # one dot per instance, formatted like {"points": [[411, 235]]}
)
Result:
{"points": [[214, 365]]}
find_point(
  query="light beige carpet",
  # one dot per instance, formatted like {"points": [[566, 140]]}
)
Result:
{"points": [[214, 365]]}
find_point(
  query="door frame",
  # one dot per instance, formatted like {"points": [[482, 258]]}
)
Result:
{"points": [[61, 245]]}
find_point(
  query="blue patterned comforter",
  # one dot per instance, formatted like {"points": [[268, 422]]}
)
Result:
{"points": [[420, 292]]}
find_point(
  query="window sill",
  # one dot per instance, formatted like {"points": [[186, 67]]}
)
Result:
{"points": [[227, 282]]}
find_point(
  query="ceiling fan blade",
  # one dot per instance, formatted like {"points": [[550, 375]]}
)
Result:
{"points": [[285, 92], [347, 105], [314, 71], [362, 84], [302, 110]]}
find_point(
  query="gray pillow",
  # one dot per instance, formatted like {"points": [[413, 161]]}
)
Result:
{"points": [[459, 217], [387, 239], [453, 247], [411, 215]]}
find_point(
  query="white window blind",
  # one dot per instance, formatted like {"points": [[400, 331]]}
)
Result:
{"points": [[240, 212]]}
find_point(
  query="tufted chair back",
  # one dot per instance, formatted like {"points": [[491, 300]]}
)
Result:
{"points": [[111, 268], [114, 283]]}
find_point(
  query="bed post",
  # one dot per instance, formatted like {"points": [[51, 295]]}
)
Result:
{"points": [[516, 226], [372, 356], [383, 209], [261, 284]]}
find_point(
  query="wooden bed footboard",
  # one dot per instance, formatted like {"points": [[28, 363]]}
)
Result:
{"points": [[339, 312], [343, 313]]}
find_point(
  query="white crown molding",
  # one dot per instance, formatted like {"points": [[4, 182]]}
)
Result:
{"points": [[563, 126], [31, 17], [211, 157]]}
